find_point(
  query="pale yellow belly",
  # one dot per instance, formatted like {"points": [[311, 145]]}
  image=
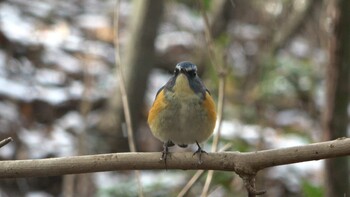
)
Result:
{"points": [[183, 121]]}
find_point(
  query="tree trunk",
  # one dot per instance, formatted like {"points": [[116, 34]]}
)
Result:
{"points": [[338, 86]]}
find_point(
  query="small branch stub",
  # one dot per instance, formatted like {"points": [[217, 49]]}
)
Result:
{"points": [[5, 141], [249, 183]]}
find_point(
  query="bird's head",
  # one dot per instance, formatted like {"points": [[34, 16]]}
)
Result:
{"points": [[186, 80]]}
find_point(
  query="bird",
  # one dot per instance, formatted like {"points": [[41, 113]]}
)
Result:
{"points": [[183, 111]]}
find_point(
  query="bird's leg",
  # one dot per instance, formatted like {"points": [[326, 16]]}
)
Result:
{"points": [[199, 151], [165, 151]]}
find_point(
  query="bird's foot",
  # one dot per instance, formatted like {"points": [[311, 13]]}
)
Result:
{"points": [[199, 151], [165, 152]]}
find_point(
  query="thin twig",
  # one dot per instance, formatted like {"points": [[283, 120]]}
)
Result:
{"points": [[197, 175], [5, 141], [216, 139], [221, 74], [208, 38], [125, 101], [221, 96], [248, 163], [217, 136], [81, 182], [121, 80], [68, 185]]}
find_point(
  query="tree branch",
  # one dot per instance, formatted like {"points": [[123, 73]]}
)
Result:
{"points": [[244, 164]]}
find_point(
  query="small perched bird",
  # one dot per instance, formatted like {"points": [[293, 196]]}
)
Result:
{"points": [[183, 111]]}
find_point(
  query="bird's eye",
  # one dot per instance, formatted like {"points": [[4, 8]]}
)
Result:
{"points": [[176, 71]]}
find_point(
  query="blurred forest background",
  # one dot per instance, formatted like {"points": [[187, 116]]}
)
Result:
{"points": [[59, 94]]}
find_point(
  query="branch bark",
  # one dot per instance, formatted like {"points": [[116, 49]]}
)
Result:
{"points": [[244, 164]]}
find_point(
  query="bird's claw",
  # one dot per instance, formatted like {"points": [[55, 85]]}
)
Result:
{"points": [[199, 151], [165, 152]]}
